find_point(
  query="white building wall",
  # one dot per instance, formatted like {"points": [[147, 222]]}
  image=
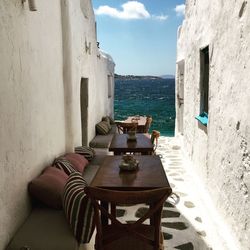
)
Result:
{"points": [[220, 153], [79, 29], [42, 60], [32, 127], [79, 26]]}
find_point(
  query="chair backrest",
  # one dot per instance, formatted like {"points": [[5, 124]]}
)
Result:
{"points": [[124, 127], [154, 138], [148, 124], [154, 197]]}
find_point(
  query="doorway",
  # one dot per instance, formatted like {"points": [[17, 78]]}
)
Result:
{"points": [[84, 109]]}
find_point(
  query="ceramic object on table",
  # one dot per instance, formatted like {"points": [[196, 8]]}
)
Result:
{"points": [[129, 163]]}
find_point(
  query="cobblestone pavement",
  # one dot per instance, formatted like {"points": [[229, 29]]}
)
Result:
{"points": [[183, 223]]}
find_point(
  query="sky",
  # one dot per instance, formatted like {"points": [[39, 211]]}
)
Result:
{"points": [[139, 35]]}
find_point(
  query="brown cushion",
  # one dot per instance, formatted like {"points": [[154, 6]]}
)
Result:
{"points": [[102, 128], [48, 187], [106, 119], [78, 161]]}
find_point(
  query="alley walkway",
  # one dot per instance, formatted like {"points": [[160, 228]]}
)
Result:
{"points": [[187, 222]]}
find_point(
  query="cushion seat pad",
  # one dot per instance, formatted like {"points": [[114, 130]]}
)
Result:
{"points": [[101, 141], [44, 229]]}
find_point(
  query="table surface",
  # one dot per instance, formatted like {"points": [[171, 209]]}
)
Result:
{"points": [[149, 175], [141, 120], [120, 143]]}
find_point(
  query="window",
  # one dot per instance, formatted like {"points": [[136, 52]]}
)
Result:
{"points": [[204, 86], [204, 83]]}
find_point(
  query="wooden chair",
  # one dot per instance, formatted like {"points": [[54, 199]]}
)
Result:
{"points": [[124, 128], [154, 139], [128, 236], [148, 124]]}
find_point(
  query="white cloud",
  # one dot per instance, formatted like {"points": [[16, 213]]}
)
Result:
{"points": [[161, 17], [130, 10], [180, 10]]}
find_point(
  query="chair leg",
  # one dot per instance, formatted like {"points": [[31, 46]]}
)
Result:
{"points": [[161, 241], [113, 210], [98, 246]]}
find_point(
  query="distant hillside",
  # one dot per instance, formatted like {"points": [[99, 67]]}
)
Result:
{"points": [[168, 77], [133, 77]]}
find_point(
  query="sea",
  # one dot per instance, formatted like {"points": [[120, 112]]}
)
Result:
{"points": [[155, 97]]}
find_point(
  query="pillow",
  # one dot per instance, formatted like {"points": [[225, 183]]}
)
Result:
{"points": [[102, 128], [87, 152], [78, 162], [63, 164], [106, 119], [48, 187], [111, 120], [78, 209]]}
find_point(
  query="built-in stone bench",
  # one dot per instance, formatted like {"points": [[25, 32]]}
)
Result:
{"points": [[103, 141], [47, 228]]}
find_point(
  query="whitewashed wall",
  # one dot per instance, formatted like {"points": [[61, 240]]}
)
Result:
{"points": [[220, 153], [79, 28], [42, 60]]}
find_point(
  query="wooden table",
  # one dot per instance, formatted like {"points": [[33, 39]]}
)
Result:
{"points": [[149, 175], [120, 144], [131, 122], [140, 120]]}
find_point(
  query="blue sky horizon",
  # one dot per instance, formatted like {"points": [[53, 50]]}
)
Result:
{"points": [[140, 35]]}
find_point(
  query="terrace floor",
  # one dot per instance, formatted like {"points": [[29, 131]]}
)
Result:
{"points": [[188, 221]]}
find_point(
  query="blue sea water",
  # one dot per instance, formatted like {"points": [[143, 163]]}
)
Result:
{"points": [[154, 97]]}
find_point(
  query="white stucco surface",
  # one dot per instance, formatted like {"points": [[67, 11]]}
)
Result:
{"points": [[219, 153], [42, 61], [79, 29]]}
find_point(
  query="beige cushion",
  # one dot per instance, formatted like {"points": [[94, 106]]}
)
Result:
{"points": [[90, 172], [98, 159], [45, 229], [101, 141], [113, 129]]}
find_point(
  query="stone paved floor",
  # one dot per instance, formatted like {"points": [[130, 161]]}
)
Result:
{"points": [[187, 222], [183, 222]]}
